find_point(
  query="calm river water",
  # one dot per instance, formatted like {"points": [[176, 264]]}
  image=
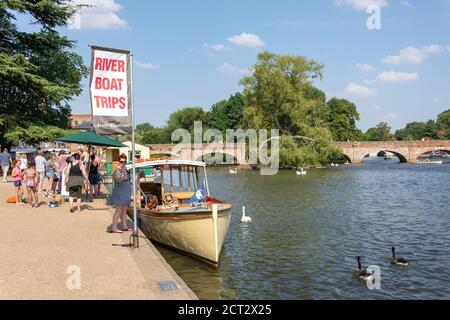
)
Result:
{"points": [[307, 231]]}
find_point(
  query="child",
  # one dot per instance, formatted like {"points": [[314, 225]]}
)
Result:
{"points": [[17, 180], [30, 176], [23, 163]]}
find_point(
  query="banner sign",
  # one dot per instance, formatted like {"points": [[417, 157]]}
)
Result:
{"points": [[110, 89]]}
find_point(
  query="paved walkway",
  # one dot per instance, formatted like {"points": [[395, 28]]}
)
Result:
{"points": [[42, 250]]}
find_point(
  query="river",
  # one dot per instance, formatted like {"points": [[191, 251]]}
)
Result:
{"points": [[307, 230]]}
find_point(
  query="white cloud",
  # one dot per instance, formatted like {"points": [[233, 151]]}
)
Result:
{"points": [[103, 14], [361, 4], [365, 67], [233, 70], [147, 66], [412, 55], [215, 47], [393, 76], [354, 89], [247, 40], [406, 3]]}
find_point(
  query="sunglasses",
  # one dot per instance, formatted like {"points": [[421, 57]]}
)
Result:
{"points": [[122, 162]]}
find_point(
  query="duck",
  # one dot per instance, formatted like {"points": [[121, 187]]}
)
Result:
{"points": [[362, 272], [233, 171], [245, 219], [302, 172], [398, 261]]}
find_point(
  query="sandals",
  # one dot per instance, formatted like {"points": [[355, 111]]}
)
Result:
{"points": [[127, 230], [116, 231]]}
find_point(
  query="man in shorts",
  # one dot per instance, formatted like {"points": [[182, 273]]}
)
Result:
{"points": [[5, 163], [40, 168]]}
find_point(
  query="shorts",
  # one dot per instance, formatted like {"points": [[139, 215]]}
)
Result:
{"points": [[50, 175], [31, 185], [76, 192], [5, 169], [17, 184], [94, 179], [41, 175]]}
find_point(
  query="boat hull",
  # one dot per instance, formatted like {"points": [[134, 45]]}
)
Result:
{"points": [[200, 234]]}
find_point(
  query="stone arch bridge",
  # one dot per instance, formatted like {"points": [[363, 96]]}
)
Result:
{"points": [[355, 152], [406, 151]]}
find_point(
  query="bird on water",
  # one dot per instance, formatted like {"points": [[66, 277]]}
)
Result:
{"points": [[398, 261], [362, 272]]}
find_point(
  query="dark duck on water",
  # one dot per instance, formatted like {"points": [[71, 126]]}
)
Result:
{"points": [[362, 272], [398, 261]]}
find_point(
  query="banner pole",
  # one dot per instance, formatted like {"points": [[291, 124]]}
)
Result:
{"points": [[133, 148]]}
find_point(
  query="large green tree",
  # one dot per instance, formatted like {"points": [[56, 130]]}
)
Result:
{"points": [[382, 132], [227, 114], [280, 95], [443, 125], [341, 118], [39, 72], [416, 131]]}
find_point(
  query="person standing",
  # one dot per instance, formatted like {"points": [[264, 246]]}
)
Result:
{"points": [[17, 180], [62, 164], [30, 176], [5, 163], [40, 168], [50, 174], [23, 163], [121, 196], [75, 181], [94, 177]]}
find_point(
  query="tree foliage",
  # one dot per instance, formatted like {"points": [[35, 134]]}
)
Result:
{"points": [[416, 131], [341, 118], [39, 73], [382, 132], [443, 125], [227, 114], [280, 95]]}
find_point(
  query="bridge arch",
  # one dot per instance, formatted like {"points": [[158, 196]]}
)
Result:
{"points": [[425, 153], [402, 158]]}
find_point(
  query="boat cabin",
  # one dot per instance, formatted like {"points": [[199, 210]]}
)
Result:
{"points": [[174, 183]]}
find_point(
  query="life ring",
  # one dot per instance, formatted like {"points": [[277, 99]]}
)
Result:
{"points": [[168, 198]]}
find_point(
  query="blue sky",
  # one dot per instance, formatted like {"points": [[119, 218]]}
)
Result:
{"points": [[194, 52]]}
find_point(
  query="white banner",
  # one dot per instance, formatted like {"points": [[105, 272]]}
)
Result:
{"points": [[110, 90]]}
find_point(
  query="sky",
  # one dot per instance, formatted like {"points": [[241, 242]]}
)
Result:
{"points": [[194, 52]]}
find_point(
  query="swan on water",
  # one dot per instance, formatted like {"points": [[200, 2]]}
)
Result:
{"points": [[233, 171], [302, 172], [245, 219]]}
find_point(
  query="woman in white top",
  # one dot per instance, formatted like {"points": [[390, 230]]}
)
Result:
{"points": [[23, 163]]}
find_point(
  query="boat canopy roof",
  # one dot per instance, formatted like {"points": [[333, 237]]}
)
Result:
{"points": [[158, 163]]}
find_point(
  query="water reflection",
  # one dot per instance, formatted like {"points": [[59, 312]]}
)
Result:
{"points": [[308, 229]]}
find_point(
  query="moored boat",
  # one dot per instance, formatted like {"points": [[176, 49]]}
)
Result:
{"points": [[176, 209]]}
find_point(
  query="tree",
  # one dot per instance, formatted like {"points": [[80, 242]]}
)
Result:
{"points": [[341, 119], [34, 135], [443, 125], [39, 74], [416, 131], [280, 95], [227, 114], [183, 119], [382, 132]]}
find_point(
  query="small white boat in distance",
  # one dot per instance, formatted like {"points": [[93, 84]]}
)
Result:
{"points": [[233, 171], [302, 172], [429, 162]]}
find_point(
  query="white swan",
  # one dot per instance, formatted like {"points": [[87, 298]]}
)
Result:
{"points": [[233, 171], [302, 173], [245, 219]]}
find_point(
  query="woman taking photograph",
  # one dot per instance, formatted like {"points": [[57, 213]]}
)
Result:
{"points": [[121, 196], [75, 180]]}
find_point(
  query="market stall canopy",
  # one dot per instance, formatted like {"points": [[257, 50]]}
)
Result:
{"points": [[90, 138]]}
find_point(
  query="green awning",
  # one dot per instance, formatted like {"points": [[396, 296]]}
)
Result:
{"points": [[90, 138]]}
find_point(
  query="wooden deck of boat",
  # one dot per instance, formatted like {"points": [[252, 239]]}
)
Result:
{"points": [[40, 246]]}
